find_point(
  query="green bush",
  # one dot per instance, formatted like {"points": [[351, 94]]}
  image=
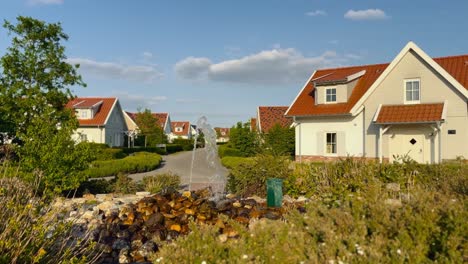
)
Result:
{"points": [[156, 150], [235, 162], [173, 148], [227, 151], [124, 184], [249, 178], [138, 162], [110, 154], [159, 182]]}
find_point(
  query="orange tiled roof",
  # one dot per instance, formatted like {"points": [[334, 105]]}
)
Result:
{"points": [[304, 105], [417, 113], [103, 112], [220, 130], [268, 116], [185, 128], [162, 117]]}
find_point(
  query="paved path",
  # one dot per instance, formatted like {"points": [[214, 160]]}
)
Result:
{"points": [[180, 164]]}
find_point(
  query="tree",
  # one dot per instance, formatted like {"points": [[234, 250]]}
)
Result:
{"points": [[150, 127], [34, 89], [241, 138], [279, 141]]}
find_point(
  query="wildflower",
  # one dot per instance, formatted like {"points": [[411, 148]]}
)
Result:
{"points": [[244, 256]]}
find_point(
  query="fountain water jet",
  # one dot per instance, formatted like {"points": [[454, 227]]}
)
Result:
{"points": [[217, 182]]}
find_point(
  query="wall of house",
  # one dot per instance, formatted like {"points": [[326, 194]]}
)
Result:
{"points": [[343, 92], [129, 122], [433, 89], [115, 127], [311, 135], [93, 134]]}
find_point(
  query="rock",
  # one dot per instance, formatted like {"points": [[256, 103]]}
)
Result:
{"points": [[120, 244], [231, 196], [142, 193], [88, 215], [104, 197], [223, 238], [237, 204], [147, 249], [187, 194], [258, 199], [107, 205], [89, 196], [154, 220], [175, 228], [395, 203], [124, 256], [288, 199], [302, 199]]}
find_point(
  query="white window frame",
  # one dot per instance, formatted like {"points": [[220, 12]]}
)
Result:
{"points": [[326, 144], [404, 91], [336, 95]]}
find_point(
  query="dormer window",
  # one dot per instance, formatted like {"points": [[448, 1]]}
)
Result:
{"points": [[84, 114], [412, 91], [330, 95]]}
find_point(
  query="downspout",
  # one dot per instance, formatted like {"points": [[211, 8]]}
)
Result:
{"points": [[439, 136]]}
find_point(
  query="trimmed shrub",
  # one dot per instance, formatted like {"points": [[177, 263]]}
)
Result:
{"points": [[110, 154], [129, 151], [187, 144], [227, 151], [159, 182], [138, 162], [173, 148], [235, 162]]}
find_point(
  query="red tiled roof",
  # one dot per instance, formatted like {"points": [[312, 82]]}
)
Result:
{"points": [[417, 113], [220, 131], [103, 112], [185, 128], [304, 105], [162, 117], [268, 116]]}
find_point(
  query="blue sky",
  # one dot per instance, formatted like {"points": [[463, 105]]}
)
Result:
{"points": [[222, 59]]}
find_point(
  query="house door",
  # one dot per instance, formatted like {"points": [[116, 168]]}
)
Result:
{"points": [[411, 144]]}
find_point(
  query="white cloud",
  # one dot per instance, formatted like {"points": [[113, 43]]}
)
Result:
{"points": [[369, 14], [276, 66], [45, 2], [192, 68], [133, 102], [147, 55], [112, 70], [353, 56], [316, 13]]}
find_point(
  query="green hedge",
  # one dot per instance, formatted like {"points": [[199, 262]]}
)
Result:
{"points": [[110, 154], [234, 162], [226, 151], [159, 151], [138, 162]]}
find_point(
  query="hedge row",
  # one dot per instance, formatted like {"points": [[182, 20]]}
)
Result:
{"points": [[225, 151], [138, 162]]}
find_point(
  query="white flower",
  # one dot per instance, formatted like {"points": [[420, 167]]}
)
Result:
{"points": [[398, 251], [244, 256], [203, 262]]}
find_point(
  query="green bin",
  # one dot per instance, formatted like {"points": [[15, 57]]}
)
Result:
{"points": [[274, 192]]}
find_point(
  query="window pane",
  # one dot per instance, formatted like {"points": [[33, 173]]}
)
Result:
{"points": [[416, 85], [416, 95], [333, 98], [409, 96], [408, 86]]}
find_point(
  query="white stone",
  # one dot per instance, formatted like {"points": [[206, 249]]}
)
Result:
{"points": [[142, 193]]}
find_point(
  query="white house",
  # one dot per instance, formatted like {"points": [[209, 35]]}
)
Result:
{"points": [[100, 120], [415, 106], [180, 129]]}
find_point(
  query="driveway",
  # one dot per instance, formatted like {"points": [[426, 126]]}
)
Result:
{"points": [[180, 164]]}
